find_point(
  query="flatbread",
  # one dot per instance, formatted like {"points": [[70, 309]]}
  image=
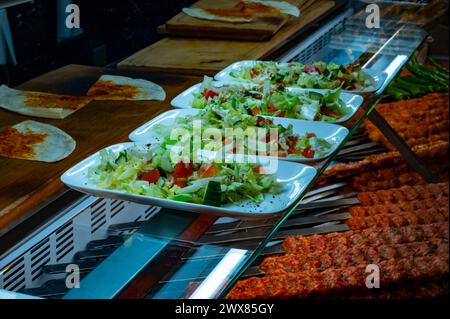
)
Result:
{"points": [[244, 11], [112, 87], [200, 13], [54, 106], [282, 6], [35, 141]]}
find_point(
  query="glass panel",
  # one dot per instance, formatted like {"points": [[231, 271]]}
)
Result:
{"points": [[171, 254]]}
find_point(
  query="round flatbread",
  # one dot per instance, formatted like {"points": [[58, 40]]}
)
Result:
{"points": [[244, 11], [35, 141], [282, 6], [53, 106], [112, 87], [210, 14]]}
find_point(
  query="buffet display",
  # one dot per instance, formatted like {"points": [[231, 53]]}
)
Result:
{"points": [[279, 162]]}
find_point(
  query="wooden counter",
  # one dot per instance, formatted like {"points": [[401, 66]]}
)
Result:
{"points": [[208, 56], [26, 185]]}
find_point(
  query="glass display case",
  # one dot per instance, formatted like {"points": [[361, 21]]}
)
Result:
{"points": [[126, 250]]}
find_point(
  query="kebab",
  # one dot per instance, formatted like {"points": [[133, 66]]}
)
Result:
{"points": [[401, 206], [371, 236], [431, 151], [404, 193], [313, 282], [354, 256], [417, 121]]}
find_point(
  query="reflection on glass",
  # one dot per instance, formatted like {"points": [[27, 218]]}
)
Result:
{"points": [[220, 275]]}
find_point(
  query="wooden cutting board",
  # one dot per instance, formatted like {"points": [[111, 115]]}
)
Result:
{"points": [[262, 27], [25, 185], [208, 56]]}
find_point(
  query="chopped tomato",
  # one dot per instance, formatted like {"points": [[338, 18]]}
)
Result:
{"points": [[272, 108], [260, 170], [151, 176], [263, 121], [256, 111], [254, 73], [208, 170], [208, 94], [256, 169], [309, 68], [292, 141], [310, 135], [181, 173], [308, 152]]}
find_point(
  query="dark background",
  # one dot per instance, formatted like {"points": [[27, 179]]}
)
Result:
{"points": [[112, 30]]}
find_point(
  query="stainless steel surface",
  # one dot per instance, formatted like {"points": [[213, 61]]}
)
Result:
{"points": [[59, 241]]}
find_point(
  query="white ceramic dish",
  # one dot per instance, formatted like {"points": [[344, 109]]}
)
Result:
{"points": [[185, 99], [335, 134], [293, 177], [224, 76]]}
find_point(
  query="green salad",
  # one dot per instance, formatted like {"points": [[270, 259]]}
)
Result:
{"points": [[318, 75], [285, 144], [272, 101], [150, 171]]}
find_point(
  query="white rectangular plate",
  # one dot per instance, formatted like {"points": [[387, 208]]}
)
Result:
{"points": [[333, 133], [224, 76], [185, 99], [293, 177]]}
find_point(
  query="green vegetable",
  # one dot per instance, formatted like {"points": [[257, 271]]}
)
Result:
{"points": [[425, 80], [183, 198], [121, 158], [315, 96], [444, 71], [424, 73], [414, 80], [199, 102], [414, 90], [213, 194], [396, 88], [271, 101], [123, 172], [318, 75]]}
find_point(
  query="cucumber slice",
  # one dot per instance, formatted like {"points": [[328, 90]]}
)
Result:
{"points": [[213, 194], [315, 96], [122, 158]]}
